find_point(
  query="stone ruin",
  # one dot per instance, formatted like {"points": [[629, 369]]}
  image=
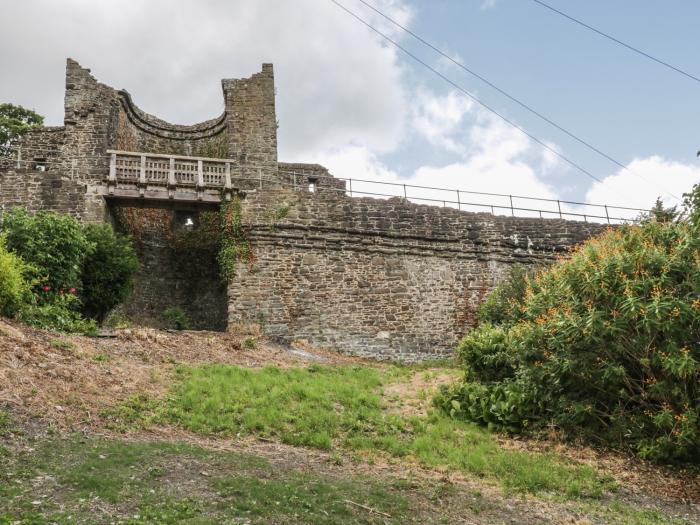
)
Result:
{"points": [[384, 278]]}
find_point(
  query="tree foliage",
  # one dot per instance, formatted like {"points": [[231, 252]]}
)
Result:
{"points": [[14, 122]]}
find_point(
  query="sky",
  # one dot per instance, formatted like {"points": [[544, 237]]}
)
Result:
{"points": [[350, 101]]}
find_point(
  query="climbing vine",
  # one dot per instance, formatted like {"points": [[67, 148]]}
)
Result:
{"points": [[234, 243]]}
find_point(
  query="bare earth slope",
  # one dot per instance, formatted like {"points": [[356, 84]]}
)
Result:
{"points": [[55, 391]]}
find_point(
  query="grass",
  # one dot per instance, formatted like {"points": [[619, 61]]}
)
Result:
{"points": [[341, 407], [62, 344], [95, 481]]}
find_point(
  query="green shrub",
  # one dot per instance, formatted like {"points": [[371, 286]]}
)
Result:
{"points": [[108, 270], [503, 304], [606, 346], [15, 290], [53, 244], [250, 343], [60, 314], [176, 319]]}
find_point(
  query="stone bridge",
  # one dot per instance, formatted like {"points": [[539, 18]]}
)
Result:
{"points": [[375, 277]]}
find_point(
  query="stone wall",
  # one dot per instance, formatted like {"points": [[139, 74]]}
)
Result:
{"points": [[380, 278], [174, 271]]}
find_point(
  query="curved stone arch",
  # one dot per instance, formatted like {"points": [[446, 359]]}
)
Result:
{"points": [[152, 125]]}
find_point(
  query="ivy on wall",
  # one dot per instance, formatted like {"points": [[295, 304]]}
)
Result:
{"points": [[235, 245]]}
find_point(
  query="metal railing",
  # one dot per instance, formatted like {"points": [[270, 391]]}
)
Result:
{"points": [[211, 173], [510, 204]]}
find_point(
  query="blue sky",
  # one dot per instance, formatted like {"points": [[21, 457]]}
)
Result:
{"points": [[627, 105], [349, 101]]}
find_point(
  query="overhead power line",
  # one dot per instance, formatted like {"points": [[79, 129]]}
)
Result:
{"points": [[617, 41], [468, 94], [483, 104], [500, 90]]}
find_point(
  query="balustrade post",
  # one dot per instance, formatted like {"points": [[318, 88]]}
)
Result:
{"points": [[112, 180], [172, 183], [227, 182], [200, 179], [142, 177]]}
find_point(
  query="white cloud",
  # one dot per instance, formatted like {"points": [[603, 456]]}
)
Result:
{"points": [[337, 82], [439, 119], [656, 177], [496, 163]]}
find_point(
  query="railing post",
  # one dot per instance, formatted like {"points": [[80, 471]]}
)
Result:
{"points": [[559, 206], [142, 177], [405, 195], [172, 183], [459, 202], [112, 180], [606, 213], [512, 211], [350, 187]]}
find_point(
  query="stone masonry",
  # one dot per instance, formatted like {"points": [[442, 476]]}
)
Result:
{"points": [[380, 278]]}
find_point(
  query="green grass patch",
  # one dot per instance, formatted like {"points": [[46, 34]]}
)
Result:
{"points": [[72, 481], [325, 407]]}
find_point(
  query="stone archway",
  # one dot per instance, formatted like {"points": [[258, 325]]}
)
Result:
{"points": [[177, 252]]}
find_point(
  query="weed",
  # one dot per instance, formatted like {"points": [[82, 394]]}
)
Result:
{"points": [[176, 319], [101, 358], [62, 344], [250, 343]]}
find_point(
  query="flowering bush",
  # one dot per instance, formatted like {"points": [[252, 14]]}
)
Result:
{"points": [[60, 313], [604, 345]]}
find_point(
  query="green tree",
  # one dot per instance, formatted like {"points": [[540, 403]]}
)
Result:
{"points": [[14, 122]]}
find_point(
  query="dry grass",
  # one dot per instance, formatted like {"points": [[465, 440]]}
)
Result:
{"points": [[69, 380]]}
